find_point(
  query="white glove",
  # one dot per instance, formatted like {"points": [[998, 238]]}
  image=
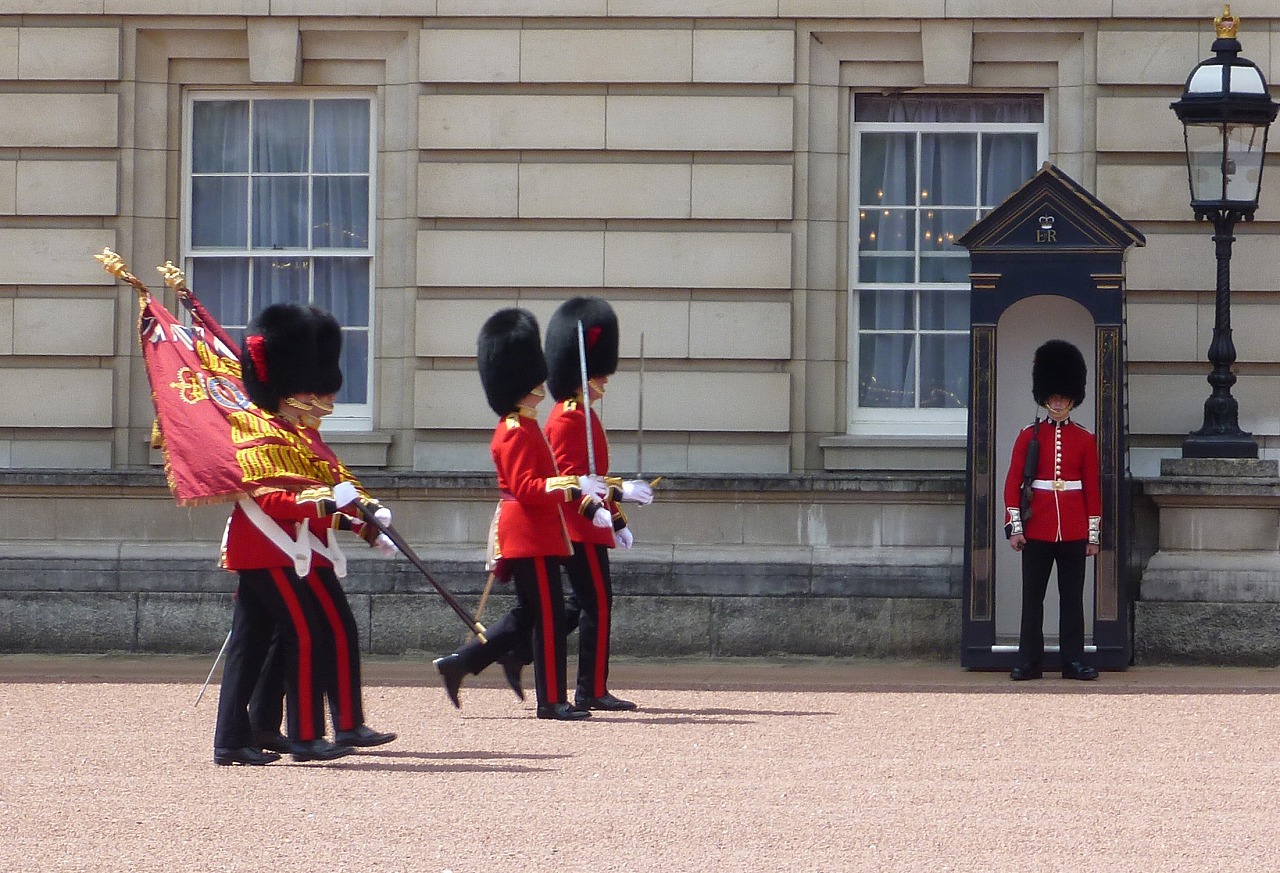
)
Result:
{"points": [[345, 493], [385, 547], [383, 515], [624, 538], [637, 491], [593, 487], [602, 518]]}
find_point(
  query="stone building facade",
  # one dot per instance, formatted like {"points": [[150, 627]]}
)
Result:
{"points": [[703, 164]]}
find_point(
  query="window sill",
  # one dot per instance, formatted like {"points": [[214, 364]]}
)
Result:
{"points": [[903, 452]]}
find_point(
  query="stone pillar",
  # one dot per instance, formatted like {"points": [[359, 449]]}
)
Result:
{"points": [[1211, 592]]}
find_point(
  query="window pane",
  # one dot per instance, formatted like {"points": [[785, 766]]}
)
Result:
{"points": [[342, 287], [888, 169], [886, 310], [944, 371], [341, 212], [940, 228], [219, 212], [949, 169], [1008, 160], [222, 284], [220, 136], [886, 371], [882, 270], [887, 230], [944, 310], [280, 136], [355, 367], [340, 141], [280, 280], [280, 212]]}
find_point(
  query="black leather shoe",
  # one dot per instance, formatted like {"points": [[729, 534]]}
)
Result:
{"points": [[606, 702], [511, 668], [244, 755], [272, 742], [452, 671], [562, 712], [318, 750], [1079, 670], [1023, 672], [362, 737]]}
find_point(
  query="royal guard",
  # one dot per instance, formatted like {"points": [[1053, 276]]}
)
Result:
{"points": [[528, 538], [341, 640], [268, 542], [1053, 510], [583, 336]]}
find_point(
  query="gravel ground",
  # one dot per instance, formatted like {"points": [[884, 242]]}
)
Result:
{"points": [[106, 766]]}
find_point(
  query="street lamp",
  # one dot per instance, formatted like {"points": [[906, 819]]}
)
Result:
{"points": [[1225, 112]]}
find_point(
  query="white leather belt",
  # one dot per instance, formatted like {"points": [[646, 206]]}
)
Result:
{"points": [[1057, 484]]}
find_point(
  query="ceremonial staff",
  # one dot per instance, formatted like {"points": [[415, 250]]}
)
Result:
{"points": [[640, 416]]}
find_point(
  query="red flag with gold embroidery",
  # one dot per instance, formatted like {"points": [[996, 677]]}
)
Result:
{"points": [[218, 446]]}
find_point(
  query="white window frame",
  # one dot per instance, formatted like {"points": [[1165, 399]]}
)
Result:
{"points": [[352, 417], [873, 421]]}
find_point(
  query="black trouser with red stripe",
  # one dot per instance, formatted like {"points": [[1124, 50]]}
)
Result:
{"points": [[270, 602], [590, 609], [338, 645], [1038, 557], [538, 613]]}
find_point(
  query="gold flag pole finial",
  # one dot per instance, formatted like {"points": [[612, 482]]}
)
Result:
{"points": [[174, 278], [1226, 24], [114, 264]]}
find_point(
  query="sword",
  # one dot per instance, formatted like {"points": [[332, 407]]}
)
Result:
{"points": [[405, 549], [586, 400], [640, 415], [222, 651]]}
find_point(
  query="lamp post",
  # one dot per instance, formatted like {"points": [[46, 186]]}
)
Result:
{"points": [[1225, 112]]}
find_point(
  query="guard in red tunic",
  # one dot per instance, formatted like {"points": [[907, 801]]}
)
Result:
{"points": [[1062, 523], [529, 539], [341, 637], [271, 540], [590, 606]]}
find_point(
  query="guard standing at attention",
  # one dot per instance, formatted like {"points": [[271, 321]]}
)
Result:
{"points": [[268, 543], [341, 643], [528, 538], [1063, 521], [590, 605]]}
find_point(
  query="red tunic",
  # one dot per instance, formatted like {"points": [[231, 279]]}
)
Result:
{"points": [[567, 433], [247, 548], [1068, 453], [530, 521]]}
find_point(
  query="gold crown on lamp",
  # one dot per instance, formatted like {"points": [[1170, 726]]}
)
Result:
{"points": [[1226, 25]]}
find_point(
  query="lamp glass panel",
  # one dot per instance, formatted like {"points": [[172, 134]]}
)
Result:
{"points": [[1245, 144], [1204, 161]]}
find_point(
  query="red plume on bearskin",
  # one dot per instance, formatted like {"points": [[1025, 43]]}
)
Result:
{"points": [[600, 336], [1058, 368], [509, 357]]}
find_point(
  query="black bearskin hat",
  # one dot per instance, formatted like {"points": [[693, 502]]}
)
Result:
{"points": [[328, 375], [279, 356], [599, 334], [1058, 368], [509, 356]]}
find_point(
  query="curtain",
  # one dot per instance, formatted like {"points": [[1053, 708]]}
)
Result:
{"points": [[922, 191]]}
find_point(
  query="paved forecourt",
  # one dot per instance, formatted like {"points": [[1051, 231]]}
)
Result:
{"points": [[728, 765]]}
